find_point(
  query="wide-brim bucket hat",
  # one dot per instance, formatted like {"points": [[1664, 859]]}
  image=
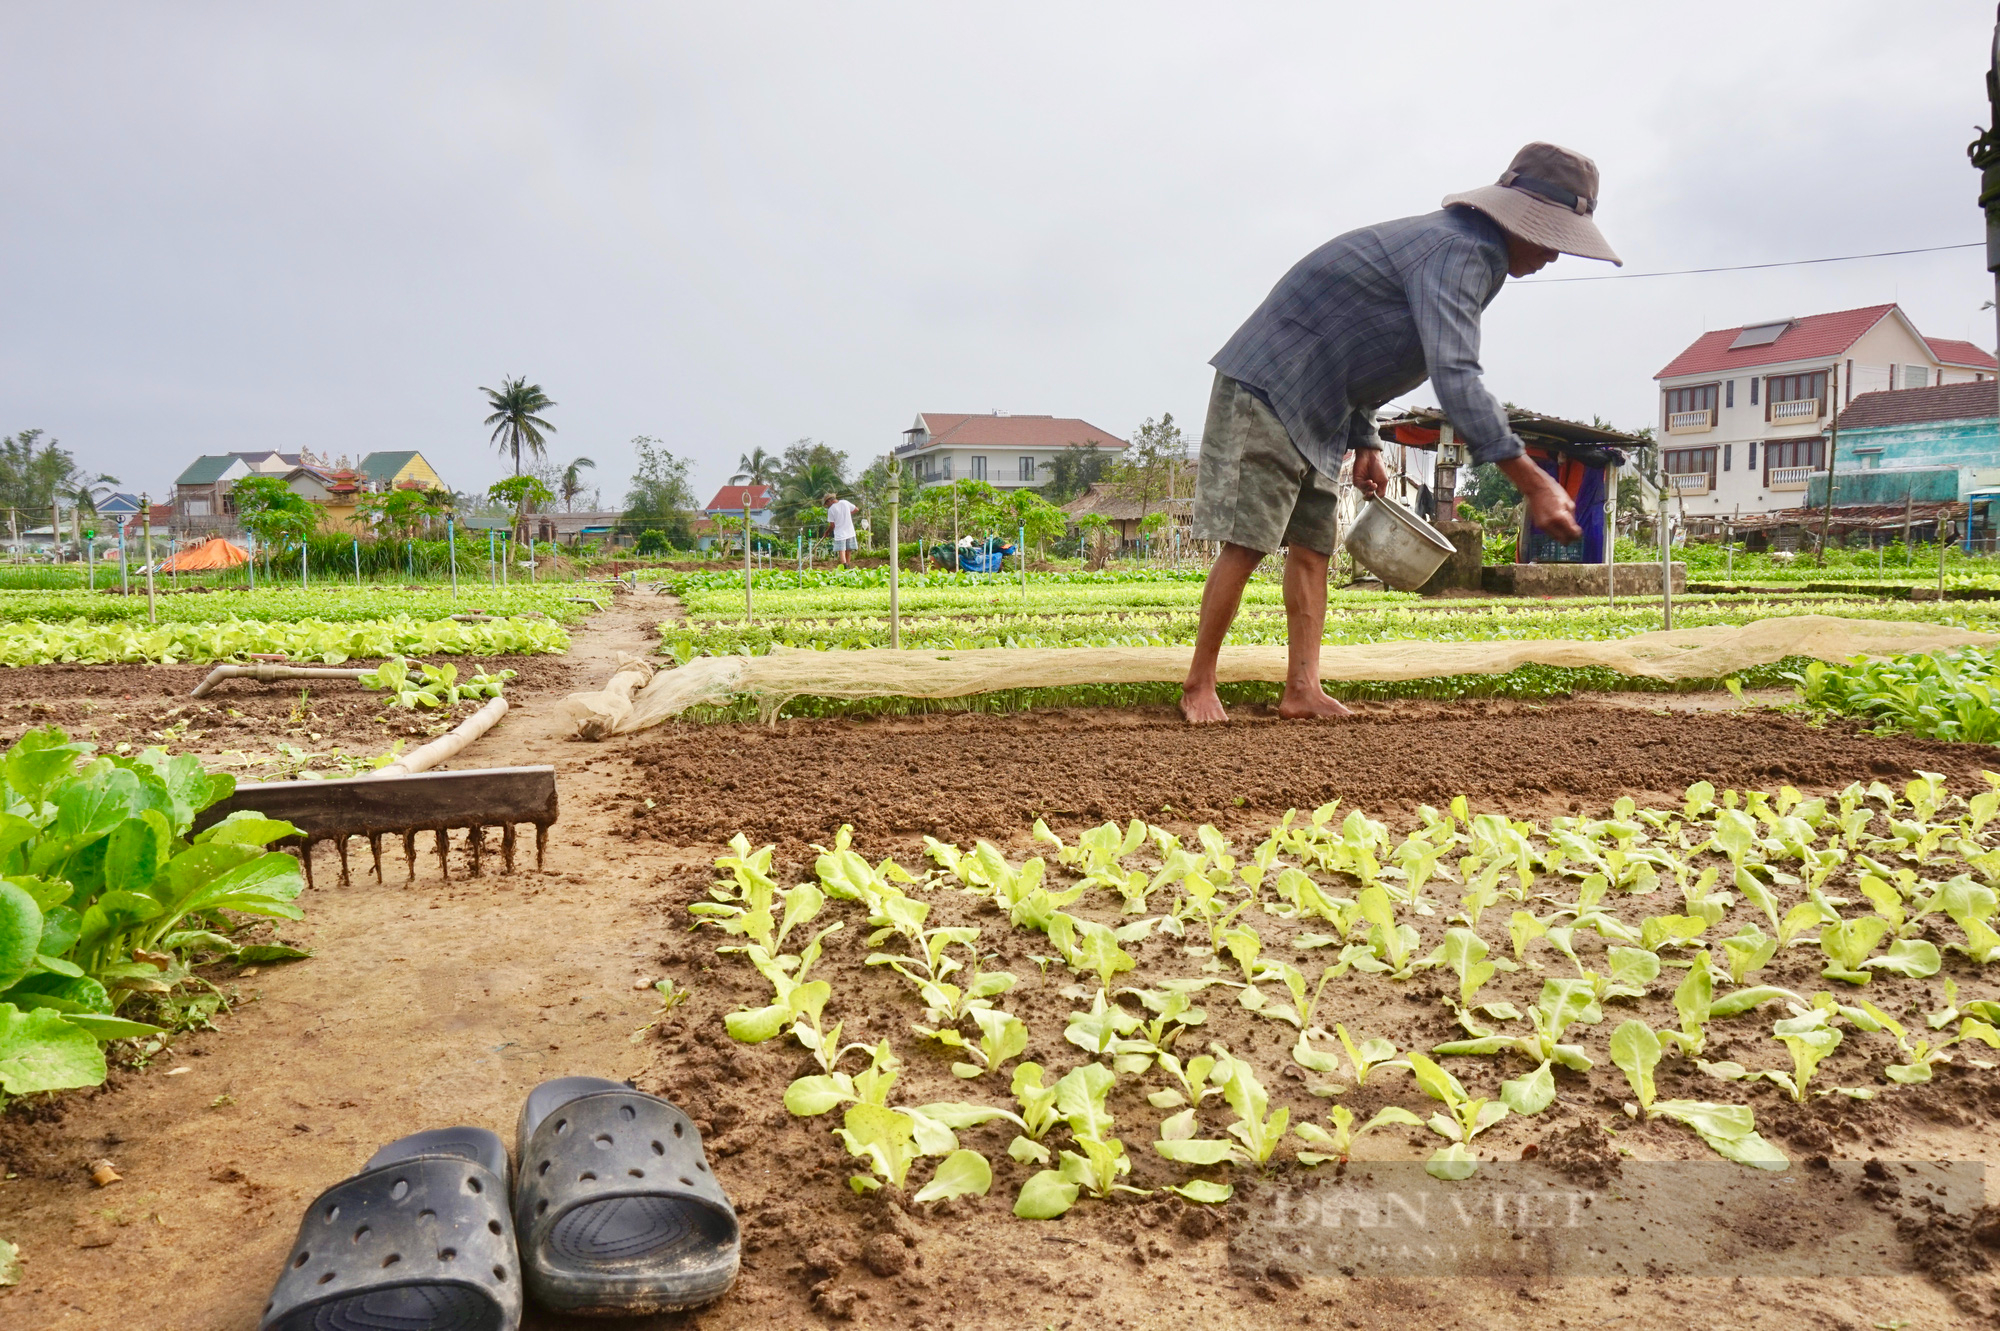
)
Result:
{"points": [[1546, 195]]}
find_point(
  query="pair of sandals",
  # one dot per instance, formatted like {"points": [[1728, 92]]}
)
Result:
{"points": [[613, 1212]]}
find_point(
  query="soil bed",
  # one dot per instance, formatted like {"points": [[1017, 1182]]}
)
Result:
{"points": [[443, 1003], [967, 775], [239, 725]]}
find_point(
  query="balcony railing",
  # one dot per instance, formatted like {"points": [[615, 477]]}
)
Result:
{"points": [[1791, 478], [1804, 409], [1689, 482], [1690, 422]]}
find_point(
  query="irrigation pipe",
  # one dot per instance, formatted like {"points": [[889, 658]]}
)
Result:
{"points": [[446, 746], [267, 673]]}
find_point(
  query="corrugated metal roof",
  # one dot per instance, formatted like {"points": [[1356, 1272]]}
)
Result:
{"points": [[207, 469], [379, 467]]}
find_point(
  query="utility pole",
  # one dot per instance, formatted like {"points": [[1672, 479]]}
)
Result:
{"points": [[1832, 449], [1985, 154]]}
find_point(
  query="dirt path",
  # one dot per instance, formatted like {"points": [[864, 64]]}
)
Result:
{"points": [[443, 1003]]}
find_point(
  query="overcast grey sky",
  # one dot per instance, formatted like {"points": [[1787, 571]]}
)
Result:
{"points": [[235, 226]]}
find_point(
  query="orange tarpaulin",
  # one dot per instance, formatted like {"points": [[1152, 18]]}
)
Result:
{"points": [[211, 554]]}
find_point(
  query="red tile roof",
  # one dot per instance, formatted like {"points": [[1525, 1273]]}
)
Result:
{"points": [[990, 431], [729, 499], [1951, 351], [1919, 406], [1816, 335]]}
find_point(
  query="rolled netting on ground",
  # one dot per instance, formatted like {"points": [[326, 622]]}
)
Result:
{"points": [[632, 702]]}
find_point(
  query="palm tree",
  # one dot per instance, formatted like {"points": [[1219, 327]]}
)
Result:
{"points": [[514, 418], [572, 481], [756, 468], [803, 489]]}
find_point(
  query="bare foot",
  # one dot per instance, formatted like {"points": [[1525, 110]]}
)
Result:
{"points": [[1202, 707], [1294, 707]]}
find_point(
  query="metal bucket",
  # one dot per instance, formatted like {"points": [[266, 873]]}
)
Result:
{"points": [[1396, 545]]}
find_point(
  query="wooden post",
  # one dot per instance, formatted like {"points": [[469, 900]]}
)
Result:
{"points": [[1666, 567], [146, 507], [895, 551], [1832, 449], [749, 606], [451, 554]]}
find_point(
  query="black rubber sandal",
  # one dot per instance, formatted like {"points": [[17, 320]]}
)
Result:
{"points": [[419, 1240], [615, 1208]]}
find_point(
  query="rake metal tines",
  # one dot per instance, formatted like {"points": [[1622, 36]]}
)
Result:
{"points": [[474, 846], [437, 803]]}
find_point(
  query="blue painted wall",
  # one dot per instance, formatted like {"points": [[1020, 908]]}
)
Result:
{"points": [[1967, 443]]}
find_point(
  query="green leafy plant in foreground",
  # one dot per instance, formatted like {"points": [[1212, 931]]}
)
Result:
{"points": [[104, 895], [1730, 1130]]}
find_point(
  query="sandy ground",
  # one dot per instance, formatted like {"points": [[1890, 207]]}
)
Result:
{"points": [[443, 1003]]}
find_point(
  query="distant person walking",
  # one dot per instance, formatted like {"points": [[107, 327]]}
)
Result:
{"points": [[1364, 318], [840, 514]]}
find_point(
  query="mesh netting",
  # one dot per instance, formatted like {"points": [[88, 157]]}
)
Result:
{"points": [[631, 702]]}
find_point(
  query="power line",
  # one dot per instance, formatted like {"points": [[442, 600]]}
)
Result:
{"points": [[1745, 267]]}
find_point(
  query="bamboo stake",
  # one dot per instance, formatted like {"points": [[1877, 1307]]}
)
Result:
{"points": [[447, 746]]}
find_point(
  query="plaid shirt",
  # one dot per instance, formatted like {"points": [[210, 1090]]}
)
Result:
{"points": [[1367, 317]]}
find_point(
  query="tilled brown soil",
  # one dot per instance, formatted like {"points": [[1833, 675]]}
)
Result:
{"points": [[956, 773], [241, 723]]}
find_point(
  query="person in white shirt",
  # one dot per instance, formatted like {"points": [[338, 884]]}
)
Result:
{"points": [[840, 513]]}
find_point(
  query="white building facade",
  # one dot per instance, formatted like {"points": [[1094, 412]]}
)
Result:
{"points": [[1744, 411], [1008, 452]]}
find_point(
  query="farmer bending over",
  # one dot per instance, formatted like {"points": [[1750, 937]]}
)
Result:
{"points": [[1364, 318], [840, 515]]}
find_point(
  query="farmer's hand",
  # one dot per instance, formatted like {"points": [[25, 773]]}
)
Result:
{"points": [[1370, 476], [1549, 506]]}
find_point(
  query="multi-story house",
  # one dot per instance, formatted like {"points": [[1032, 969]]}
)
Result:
{"points": [[1744, 411], [204, 503], [1006, 451]]}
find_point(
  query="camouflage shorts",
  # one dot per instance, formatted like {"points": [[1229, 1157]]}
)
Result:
{"points": [[1255, 488]]}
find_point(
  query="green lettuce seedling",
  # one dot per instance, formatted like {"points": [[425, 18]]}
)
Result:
{"points": [[1848, 944], [1366, 1056], [1562, 1003], [1001, 1037], [1970, 906], [961, 1174], [1730, 1130], [1340, 1142], [1984, 1009], [1749, 950], [1810, 1038], [1095, 1168], [1468, 1116]]}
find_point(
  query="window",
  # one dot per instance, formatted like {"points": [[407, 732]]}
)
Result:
{"points": [[945, 471], [1027, 471], [978, 471], [1701, 397], [1690, 462], [1916, 376], [1780, 454], [1751, 461], [1753, 392], [1794, 388], [1725, 456], [1847, 384], [1729, 394]]}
